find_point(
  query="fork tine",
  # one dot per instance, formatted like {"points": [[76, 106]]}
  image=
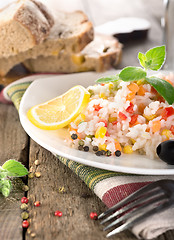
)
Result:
{"points": [[131, 197], [140, 218], [131, 205], [135, 211]]}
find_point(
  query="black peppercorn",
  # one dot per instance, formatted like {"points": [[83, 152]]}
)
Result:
{"points": [[74, 136], [86, 148], [117, 153]]}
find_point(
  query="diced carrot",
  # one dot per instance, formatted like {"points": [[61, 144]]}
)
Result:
{"points": [[118, 146], [133, 87], [130, 108], [141, 91], [122, 116], [130, 96], [156, 126]]}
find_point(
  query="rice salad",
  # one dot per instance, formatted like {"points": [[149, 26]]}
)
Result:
{"points": [[122, 118]]}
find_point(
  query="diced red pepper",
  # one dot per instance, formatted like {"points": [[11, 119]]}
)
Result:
{"points": [[133, 119], [115, 122], [167, 112], [172, 129], [122, 116], [107, 134], [97, 107], [102, 84], [104, 121], [130, 108]]}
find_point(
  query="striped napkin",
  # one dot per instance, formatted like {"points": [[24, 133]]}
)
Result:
{"points": [[110, 187]]}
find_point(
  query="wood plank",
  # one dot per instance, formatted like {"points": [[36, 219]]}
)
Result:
{"points": [[76, 203], [13, 144]]}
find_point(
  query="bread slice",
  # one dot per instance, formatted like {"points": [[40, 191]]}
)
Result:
{"points": [[23, 24], [99, 55], [70, 33]]}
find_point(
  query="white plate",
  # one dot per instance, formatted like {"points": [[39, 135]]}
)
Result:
{"points": [[47, 88]]}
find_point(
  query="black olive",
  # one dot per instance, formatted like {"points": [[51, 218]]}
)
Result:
{"points": [[165, 151]]}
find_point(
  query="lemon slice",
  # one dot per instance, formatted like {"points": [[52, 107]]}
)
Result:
{"points": [[60, 111]]}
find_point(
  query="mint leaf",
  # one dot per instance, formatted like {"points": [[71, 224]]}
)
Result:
{"points": [[107, 79], [14, 168], [164, 88], [132, 74], [5, 187], [153, 59]]}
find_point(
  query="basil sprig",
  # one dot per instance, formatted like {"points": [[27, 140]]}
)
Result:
{"points": [[10, 168], [153, 59]]}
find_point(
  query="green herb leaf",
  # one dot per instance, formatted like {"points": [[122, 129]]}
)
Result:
{"points": [[107, 79], [132, 74], [14, 168], [6, 187], [153, 59], [164, 88]]}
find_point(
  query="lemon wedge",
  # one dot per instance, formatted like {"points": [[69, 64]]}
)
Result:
{"points": [[60, 111]]}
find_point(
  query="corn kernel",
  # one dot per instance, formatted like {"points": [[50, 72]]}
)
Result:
{"points": [[133, 87], [141, 81], [127, 149], [167, 133], [78, 59], [100, 132], [133, 141], [102, 147], [102, 95], [112, 119], [149, 117], [81, 117], [111, 86]]}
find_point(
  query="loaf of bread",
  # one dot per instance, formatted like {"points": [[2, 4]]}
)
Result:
{"points": [[23, 25], [70, 33], [101, 54]]}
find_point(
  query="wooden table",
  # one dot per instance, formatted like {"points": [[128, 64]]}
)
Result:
{"points": [[78, 201]]}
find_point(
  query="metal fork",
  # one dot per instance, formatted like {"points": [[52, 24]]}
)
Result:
{"points": [[147, 201]]}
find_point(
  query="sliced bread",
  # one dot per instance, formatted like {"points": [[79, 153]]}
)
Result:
{"points": [[23, 24], [71, 33], [101, 54]]}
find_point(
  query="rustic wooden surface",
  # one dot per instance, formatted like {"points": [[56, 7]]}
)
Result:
{"points": [[78, 201]]}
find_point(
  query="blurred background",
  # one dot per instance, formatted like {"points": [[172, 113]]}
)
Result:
{"points": [[102, 11]]}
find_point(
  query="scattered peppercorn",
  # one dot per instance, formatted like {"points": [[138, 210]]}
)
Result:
{"points": [[58, 213], [74, 136], [33, 235], [24, 206], [25, 224], [86, 148], [31, 175], [81, 143], [37, 204], [24, 200], [108, 153], [103, 152], [37, 174], [95, 148], [24, 215], [98, 153], [94, 215], [25, 188], [117, 153], [80, 148], [37, 162]]}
